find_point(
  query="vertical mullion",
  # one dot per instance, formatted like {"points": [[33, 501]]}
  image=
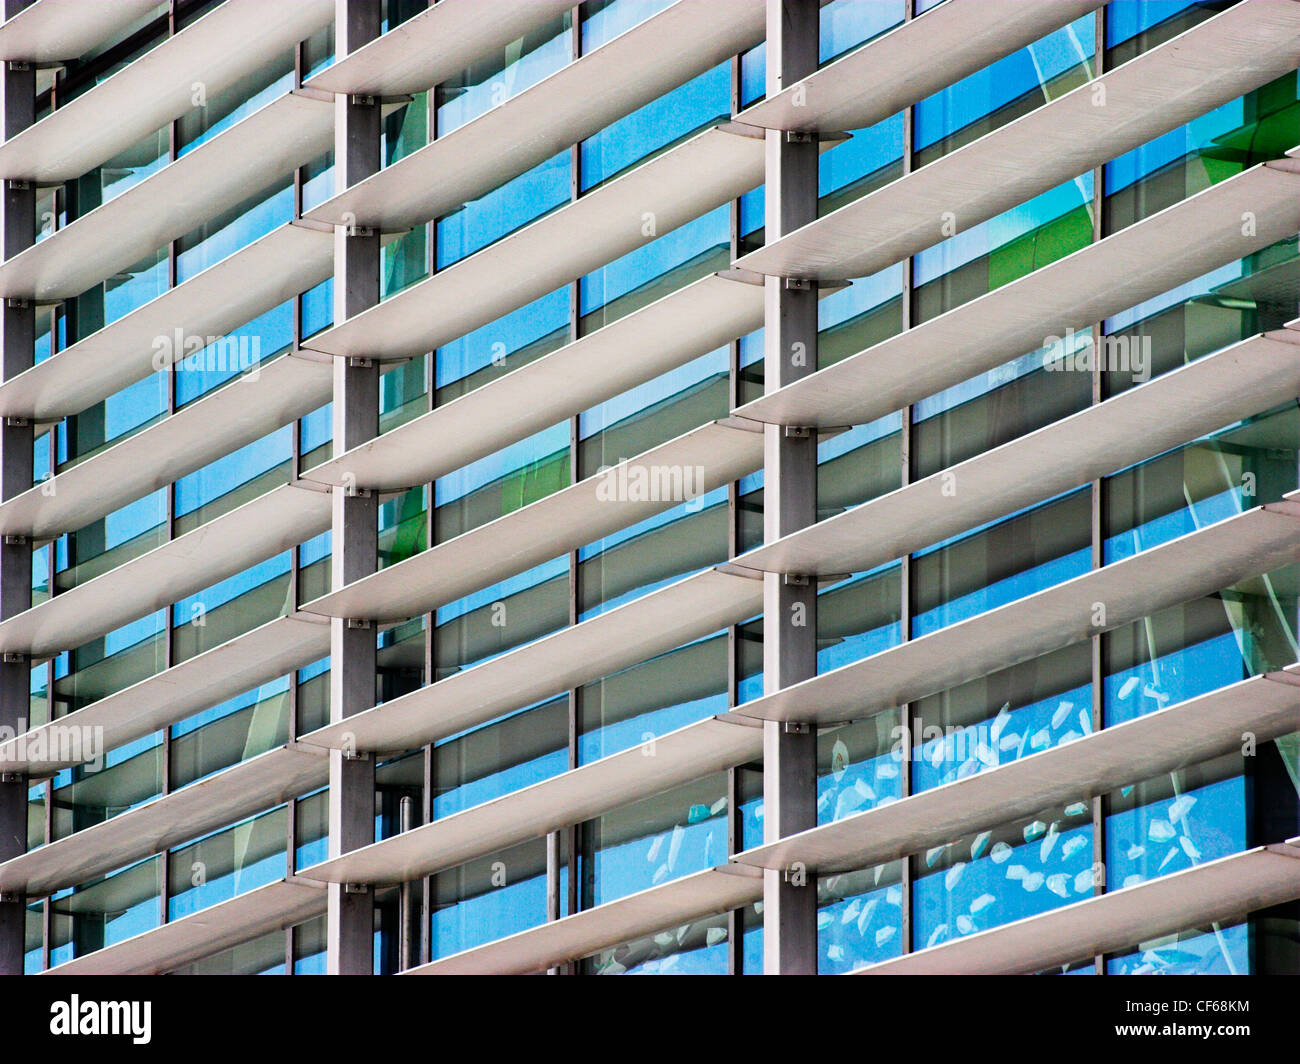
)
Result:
{"points": [[47, 906], [906, 475], [426, 883], [431, 617], [1098, 516], [354, 540], [295, 557], [735, 836], [17, 353], [790, 503], [169, 518], [555, 855]]}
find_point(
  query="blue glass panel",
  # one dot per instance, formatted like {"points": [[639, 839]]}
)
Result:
{"points": [[862, 928], [503, 210], [496, 78], [222, 237], [225, 475], [639, 704], [1002, 875], [870, 159], [847, 23], [1024, 76], [678, 249], [524, 748], [489, 898], [656, 840], [671, 117], [1128, 18], [606, 20], [506, 343], [1012, 734], [1222, 951], [1187, 828], [240, 353]]}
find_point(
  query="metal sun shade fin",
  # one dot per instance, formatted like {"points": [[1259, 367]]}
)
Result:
{"points": [[49, 31], [276, 267], [680, 756], [1144, 260], [246, 409], [172, 819], [599, 646], [1180, 732], [883, 76], [710, 456], [1173, 409], [214, 177], [229, 923], [1215, 892], [1188, 567], [1187, 732], [233, 40], [434, 45], [259, 656], [578, 100], [224, 546], [618, 217], [1216, 61], [520, 402]]}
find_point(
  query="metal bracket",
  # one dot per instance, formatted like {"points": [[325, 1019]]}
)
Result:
{"points": [[366, 99], [735, 273], [742, 129], [796, 727], [357, 622], [17, 184], [798, 284], [10, 898], [356, 755], [351, 491], [14, 303], [738, 721], [355, 888], [19, 64], [363, 231], [794, 579], [357, 362], [15, 541], [12, 657], [12, 777], [744, 424], [797, 432], [732, 569], [312, 485], [801, 136], [17, 422]]}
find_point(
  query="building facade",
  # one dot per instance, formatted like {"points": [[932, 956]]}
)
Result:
{"points": [[650, 486]]}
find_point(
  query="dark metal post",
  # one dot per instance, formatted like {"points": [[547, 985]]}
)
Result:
{"points": [[18, 339], [351, 910], [789, 503]]}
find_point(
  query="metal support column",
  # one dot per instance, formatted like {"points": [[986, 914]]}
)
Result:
{"points": [[351, 909], [789, 503], [17, 344]]}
